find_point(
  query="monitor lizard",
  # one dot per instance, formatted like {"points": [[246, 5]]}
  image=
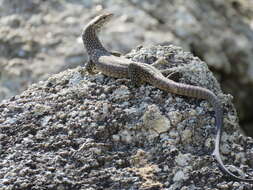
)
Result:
{"points": [[118, 67]]}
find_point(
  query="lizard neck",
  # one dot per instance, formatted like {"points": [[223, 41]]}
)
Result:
{"points": [[91, 41]]}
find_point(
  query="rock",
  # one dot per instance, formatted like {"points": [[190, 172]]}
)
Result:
{"points": [[45, 35], [77, 131], [218, 32]]}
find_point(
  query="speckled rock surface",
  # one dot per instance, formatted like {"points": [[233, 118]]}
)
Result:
{"points": [[39, 38], [77, 131], [218, 32]]}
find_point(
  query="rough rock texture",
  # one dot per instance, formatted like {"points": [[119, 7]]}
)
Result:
{"points": [[220, 33], [39, 38], [77, 131]]}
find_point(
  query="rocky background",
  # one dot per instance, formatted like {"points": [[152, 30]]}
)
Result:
{"points": [[39, 38], [76, 131], [80, 131]]}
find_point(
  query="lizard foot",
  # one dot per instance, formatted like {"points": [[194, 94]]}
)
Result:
{"points": [[89, 67]]}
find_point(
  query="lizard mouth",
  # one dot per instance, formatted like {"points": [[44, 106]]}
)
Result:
{"points": [[101, 20]]}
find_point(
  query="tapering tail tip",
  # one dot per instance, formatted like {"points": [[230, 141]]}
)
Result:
{"points": [[216, 155]]}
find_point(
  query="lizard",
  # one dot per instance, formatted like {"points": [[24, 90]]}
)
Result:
{"points": [[107, 63]]}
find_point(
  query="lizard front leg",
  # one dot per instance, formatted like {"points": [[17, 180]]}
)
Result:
{"points": [[116, 53], [90, 67]]}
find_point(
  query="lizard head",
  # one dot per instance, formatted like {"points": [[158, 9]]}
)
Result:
{"points": [[100, 20], [89, 36]]}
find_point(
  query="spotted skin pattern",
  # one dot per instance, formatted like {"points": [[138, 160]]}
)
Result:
{"points": [[118, 67]]}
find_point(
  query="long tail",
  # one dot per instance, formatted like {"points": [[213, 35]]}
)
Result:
{"points": [[154, 77], [216, 152], [199, 92]]}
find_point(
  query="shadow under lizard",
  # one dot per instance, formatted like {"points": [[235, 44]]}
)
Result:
{"points": [[119, 67]]}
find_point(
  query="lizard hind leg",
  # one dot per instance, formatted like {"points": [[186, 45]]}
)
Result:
{"points": [[134, 74], [171, 74]]}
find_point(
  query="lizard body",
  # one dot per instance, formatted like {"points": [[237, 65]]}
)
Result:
{"points": [[118, 67]]}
